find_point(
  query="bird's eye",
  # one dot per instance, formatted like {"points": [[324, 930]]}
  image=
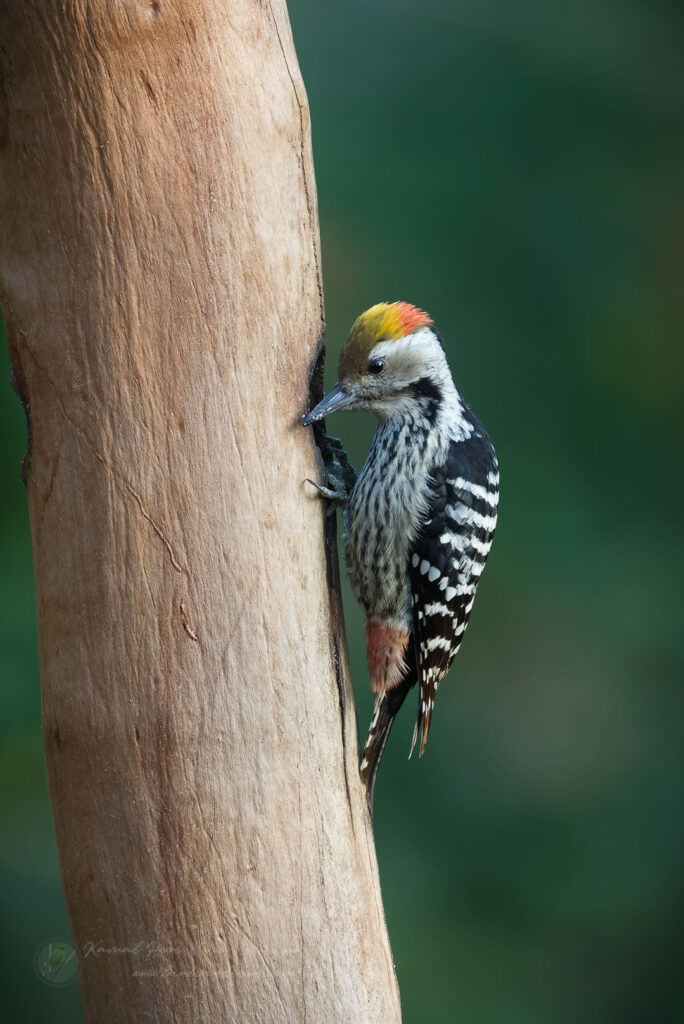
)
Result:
{"points": [[376, 366]]}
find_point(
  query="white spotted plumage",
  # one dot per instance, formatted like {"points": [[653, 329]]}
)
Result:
{"points": [[431, 463], [421, 516]]}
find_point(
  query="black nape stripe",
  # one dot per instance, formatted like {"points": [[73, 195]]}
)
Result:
{"points": [[426, 388], [432, 395]]}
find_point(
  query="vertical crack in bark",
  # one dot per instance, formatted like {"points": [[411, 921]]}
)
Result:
{"points": [[184, 619], [313, 220], [192, 633], [332, 574], [20, 391], [157, 529]]}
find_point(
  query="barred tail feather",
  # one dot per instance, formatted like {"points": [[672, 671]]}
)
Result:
{"points": [[416, 727], [387, 706], [426, 705], [427, 718]]}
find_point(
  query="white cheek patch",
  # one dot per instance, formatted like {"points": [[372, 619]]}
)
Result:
{"points": [[406, 359]]}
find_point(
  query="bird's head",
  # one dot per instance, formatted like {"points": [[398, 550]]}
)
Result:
{"points": [[390, 352]]}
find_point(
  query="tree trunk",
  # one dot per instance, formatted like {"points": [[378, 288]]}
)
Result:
{"points": [[161, 284]]}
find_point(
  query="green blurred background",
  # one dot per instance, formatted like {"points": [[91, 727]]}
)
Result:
{"points": [[517, 169]]}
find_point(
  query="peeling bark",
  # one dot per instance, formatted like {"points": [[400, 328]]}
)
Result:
{"points": [[161, 284]]}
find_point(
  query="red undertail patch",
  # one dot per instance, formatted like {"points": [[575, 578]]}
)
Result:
{"points": [[386, 647]]}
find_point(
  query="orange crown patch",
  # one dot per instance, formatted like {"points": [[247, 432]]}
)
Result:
{"points": [[388, 321]]}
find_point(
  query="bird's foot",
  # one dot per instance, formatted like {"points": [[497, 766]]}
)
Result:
{"points": [[340, 476], [337, 462]]}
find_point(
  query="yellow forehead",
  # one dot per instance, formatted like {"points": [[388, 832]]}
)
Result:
{"points": [[383, 322], [386, 321]]}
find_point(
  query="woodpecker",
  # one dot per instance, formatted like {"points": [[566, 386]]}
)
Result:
{"points": [[420, 517]]}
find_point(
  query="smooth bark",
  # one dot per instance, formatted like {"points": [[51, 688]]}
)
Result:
{"points": [[161, 284]]}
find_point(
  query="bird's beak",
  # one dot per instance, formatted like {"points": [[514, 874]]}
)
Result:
{"points": [[337, 399]]}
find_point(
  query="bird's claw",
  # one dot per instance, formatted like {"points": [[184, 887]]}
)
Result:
{"points": [[337, 463], [340, 476], [333, 494]]}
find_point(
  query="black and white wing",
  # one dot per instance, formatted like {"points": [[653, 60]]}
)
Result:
{"points": [[447, 560]]}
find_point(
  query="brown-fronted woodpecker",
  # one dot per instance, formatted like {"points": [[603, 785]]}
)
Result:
{"points": [[420, 517]]}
